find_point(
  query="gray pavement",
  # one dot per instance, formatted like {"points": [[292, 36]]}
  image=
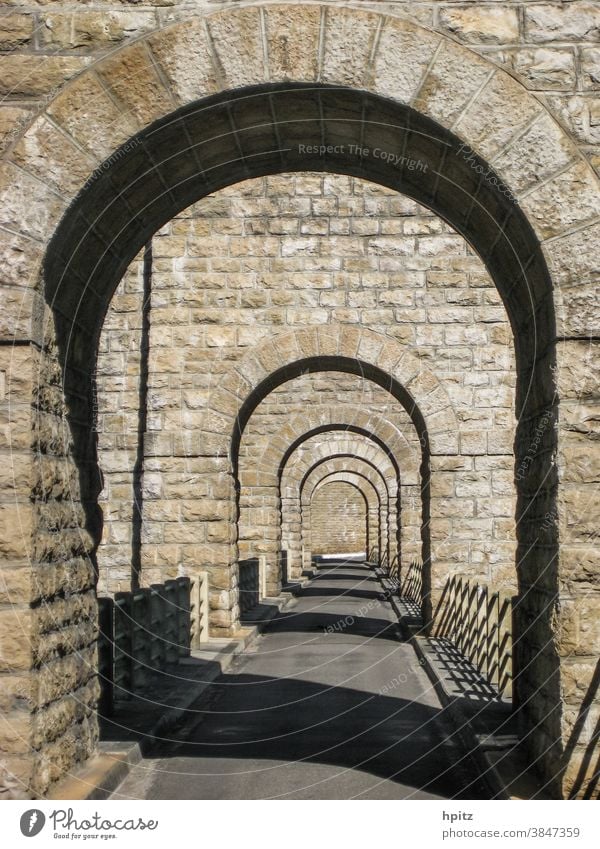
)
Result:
{"points": [[329, 703]]}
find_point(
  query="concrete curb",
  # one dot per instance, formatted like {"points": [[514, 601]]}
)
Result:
{"points": [[106, 770], [467, 734]]}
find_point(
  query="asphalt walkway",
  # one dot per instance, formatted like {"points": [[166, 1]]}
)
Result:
{"points": [[329, 703]]}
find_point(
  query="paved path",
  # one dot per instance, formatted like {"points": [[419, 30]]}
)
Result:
{"points": [[328, 703]]}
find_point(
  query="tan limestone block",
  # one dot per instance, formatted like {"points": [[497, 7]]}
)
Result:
{"points": [[401, 59], [535, 155], [27, 205], [86, 111], [16, 30], [455, 76], [183, 53], [92, 28], [349, 39], [12, 120], [590, 67], [292, 35], [51, 156], [131, 76], [551, 22], [238, 44], [545, 68], [29, 75], [567, 201], [499, 112], [15, 639], [497, 24]]}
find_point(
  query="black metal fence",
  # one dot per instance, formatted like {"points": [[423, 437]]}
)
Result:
{"points": [[142, 632], [373, 555], [411, 582], [249, 584], [283, 561]]}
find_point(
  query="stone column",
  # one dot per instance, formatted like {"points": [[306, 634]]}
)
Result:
{"points": [[48, 616], [292, 535]]}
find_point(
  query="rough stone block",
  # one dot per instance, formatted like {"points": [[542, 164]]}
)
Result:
{"points": [[349, 39], [497, 24], [238, 43], [400, 80], [183, 53], [132, 77], [569, 200], [455, 76], [29, 75], [292, 41]]}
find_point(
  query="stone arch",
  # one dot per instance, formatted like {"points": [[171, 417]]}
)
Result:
{"points": [[392, 439], [346, 349], [282, 506], [326, 493], [334, 455], [351, 470], [496, 118]]}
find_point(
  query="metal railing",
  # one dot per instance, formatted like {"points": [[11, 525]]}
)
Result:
{"points": [[248, 584], [145, 631], [283, 561], [373, 555], [410, 583], [478, 620]]}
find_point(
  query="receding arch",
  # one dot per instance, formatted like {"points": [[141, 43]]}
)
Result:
{"points": [[360, 473], [302, 473], [346, 534]]}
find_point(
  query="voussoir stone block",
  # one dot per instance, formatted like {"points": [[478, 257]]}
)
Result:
{"points": [[500, 110], [27, 205], [132, 77], [533, 156], [92, 117], [93, 28], [238, 45], [51, 155], [454, 77], [292, 35], [400, 79], [567, 201], [349, 40], [183, 53]]}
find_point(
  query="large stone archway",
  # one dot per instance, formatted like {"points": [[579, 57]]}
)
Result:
{"points": [[62, 203], [354, 509], [305, 469], [271, 473], [355, 470]]}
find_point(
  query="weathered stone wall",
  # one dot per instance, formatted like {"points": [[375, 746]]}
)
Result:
{"points": [[338, 520]]}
